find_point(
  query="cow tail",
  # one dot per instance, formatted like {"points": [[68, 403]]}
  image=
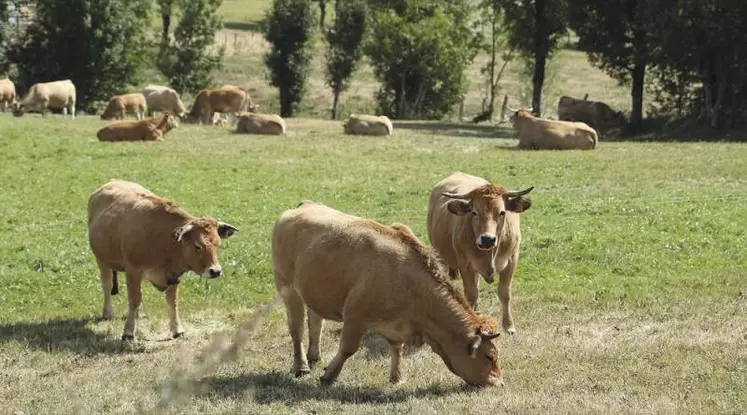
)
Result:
{"points": [[115, 283]]}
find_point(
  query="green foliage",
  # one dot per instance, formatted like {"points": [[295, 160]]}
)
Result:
{"points": [[99, 44], [344, 46], [190, 61], [4, 32], [419, 51], [288, 29]]}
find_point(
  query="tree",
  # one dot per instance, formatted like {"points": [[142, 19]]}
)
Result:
{"points": [[419, 50], [617, 36], [4, 32], [100, 45], [288, 30], [344, 46], [188, 63], [323, 12], [166, 8], [492, 16], [535, 27]]}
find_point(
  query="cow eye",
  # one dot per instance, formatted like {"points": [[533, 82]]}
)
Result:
{"points": [[198, 248]]}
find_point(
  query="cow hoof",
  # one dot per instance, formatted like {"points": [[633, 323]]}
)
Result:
{"points": [[511, 331], [301, 372], [325, 382], [396, 381], [128, 337], [107, 316], [178, 335]]}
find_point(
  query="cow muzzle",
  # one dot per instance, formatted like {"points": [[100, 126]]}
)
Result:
{"points": [[486, 241], [213, 272]]}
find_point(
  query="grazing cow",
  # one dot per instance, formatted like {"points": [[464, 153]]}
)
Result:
{"points": [[152, 129], [536, 133], [122, 104], [7, 93], [597, 115], [360, 124], [147, 237], [163, 98], [251, 123], [374, 277], [228, 99], [474, 226], [43, 96]]}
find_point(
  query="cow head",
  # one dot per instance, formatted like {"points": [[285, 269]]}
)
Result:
{"points": [[252, 108], [488, 205], [519, 115], [477, 361], [200, 239], [18, 109]]}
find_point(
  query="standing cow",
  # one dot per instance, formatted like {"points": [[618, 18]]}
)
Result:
{"points": [[164, 99], [120, 105], [374, 277], [132, 230], [48, 95], [228, 99], [7, 93], [474, 226]]}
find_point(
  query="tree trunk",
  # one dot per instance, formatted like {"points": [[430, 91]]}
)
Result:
{"points": [[335, 103], [322, 13], [541, 49], [494, 38], [636, 92], [166, 21]]}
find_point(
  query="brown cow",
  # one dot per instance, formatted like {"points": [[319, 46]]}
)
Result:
{"points": [[132, 230], [379, 278], [597, 115], [228, 99], [474, 226], [7, 93], [251, 123], [360, 124], [120, 105], [537, 133], [152, 129]]}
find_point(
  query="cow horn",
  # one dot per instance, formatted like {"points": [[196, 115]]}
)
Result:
{"points": [[456, 195], [489, 336], [520, 192], [511, 109]]}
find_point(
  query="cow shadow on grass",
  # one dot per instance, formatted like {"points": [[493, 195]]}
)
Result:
{"points": [[74, 335], [276, 387], [458, 129], [373, 346]]}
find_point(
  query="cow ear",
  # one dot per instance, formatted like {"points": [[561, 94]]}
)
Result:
{"points": [[473, 345], [225, 230], [519, 204], [181, 232], [459, 207]]}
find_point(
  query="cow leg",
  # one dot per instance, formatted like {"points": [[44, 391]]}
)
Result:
{"points": [[395, 367], [172, 299], [350, 341], [315, 335], [134, 297], [296, 309], [106, 275], [504, 293], [469, 279], [72, 111]]}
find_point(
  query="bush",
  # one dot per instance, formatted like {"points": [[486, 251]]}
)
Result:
{"points": [[288, 29], [344, 46]]}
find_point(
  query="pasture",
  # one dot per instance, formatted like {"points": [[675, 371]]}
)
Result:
{"points": [[630, 296]]}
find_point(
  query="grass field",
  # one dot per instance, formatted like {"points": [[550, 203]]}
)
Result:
{"points": [[631, 294]]}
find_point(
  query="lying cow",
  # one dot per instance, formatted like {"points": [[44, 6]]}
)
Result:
{"points": [[147, 237], [359, 124], [120, 105], [153, 129], [228, 99], [162, 98], [537, 133], [49, 95], [374, 277], [474, 226], [597, 115], [251, 123], [7, 93]]}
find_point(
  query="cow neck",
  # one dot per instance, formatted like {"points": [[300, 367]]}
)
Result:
{"points": [[444, 318], [171, 217]]}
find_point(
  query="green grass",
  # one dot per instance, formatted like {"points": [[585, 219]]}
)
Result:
{"points": [[627, 296]]}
